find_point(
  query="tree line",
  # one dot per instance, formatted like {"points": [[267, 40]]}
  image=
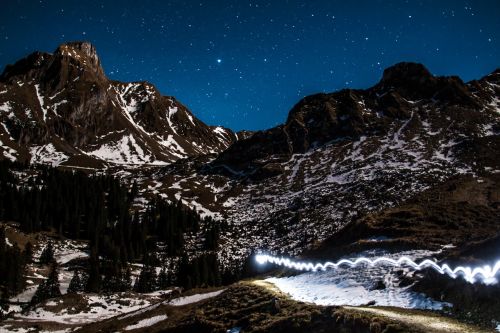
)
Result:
{"points": [[13, 262], [99, 209]]}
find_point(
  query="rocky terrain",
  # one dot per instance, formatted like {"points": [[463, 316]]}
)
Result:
{"points": [[354, 152], [410, 164], [61, 109]]}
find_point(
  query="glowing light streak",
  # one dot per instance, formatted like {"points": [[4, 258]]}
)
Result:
{"points": [[485, 273]]}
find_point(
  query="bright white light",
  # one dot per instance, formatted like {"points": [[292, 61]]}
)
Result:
{"points": [[485, 273], [261, 259]]}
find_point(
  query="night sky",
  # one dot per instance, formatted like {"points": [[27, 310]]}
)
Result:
{"points": [[244, 64]]}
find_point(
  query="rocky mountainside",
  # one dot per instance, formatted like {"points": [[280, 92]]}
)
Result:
{"points": [[408, 167], [340, 156], [337, 157], [61, 109], [350, 114]]}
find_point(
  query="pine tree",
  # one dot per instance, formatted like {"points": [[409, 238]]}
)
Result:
{"points": [[212, 236], [48, 288], [127, 280], [76, 283], [16, 269], [28, 253], [162, 279], [133, 191], [47, 255], [183, 273], [112, 279], [53, 281], [146, 282], [93, 284], [12, 268], [4, 304], [3, 242]]}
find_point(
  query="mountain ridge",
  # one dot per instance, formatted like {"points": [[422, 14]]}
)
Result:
{"points": [[408, 167], [313, 121], [337, 156], [64, 108], [321, 118]]}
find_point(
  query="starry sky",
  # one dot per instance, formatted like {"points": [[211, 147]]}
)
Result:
{"points": [[244, 64]]}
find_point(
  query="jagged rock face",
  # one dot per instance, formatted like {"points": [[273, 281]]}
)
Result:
{"points": [[60, 108], [348, 114], [338, 157], [413, 82]]}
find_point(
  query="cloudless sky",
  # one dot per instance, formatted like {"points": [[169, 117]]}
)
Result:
{"points": [[244, 64]]}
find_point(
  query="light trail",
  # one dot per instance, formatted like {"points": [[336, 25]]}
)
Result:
{"points": [[485, 274]]}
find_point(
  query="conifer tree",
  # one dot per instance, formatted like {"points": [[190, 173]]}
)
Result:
{"points": [[162, 279], [146, 282], [4, 303], [94, 277], [47, 255], [16, 269], [28, 253], [48, 288], [112, 279], [76, 283], [3, 242], [127, 279], [183, 277], [12, 268]]}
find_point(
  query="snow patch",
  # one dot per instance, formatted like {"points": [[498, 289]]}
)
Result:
{"points": [[173, 146], [100, 307], [8, 152], [171, 111], [190, 117], [64, 253], [146, 322], [47, 154], [41, 101], [220, 131], [358, 285], [194, 298], [124, 151], [5, 107]]}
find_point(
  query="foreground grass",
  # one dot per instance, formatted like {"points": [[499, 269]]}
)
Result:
{"points": [[251, 306]]}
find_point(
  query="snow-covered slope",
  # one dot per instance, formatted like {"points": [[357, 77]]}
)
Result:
{"points": [[61, 109], [338, 157], [377, 285]]}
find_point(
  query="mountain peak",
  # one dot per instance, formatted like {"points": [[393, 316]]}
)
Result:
{"points": [[77, 48], [404, 72], [69, 61], [414, 81], [82, 51]]}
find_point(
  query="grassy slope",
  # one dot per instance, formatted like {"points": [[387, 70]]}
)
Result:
{"points": [[249, 305], [464, 212]]}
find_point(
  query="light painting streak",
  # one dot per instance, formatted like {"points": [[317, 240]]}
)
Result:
{"points": [[485, 274]]}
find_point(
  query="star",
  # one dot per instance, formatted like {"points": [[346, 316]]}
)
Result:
{"points": [[310, 44]]}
